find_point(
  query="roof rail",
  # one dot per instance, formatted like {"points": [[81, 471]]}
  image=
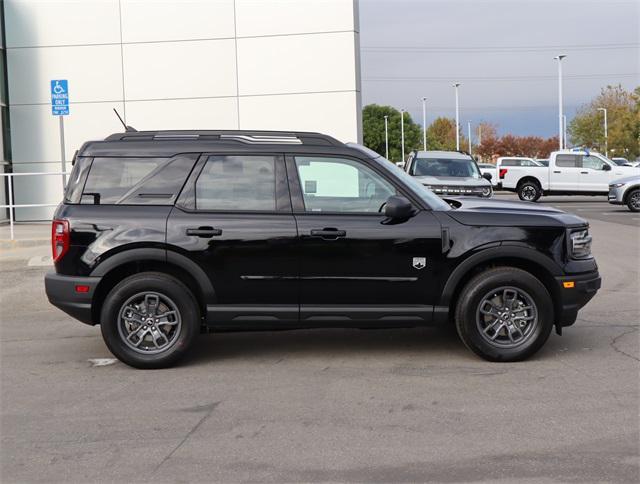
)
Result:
{"points": [[230, 136]]}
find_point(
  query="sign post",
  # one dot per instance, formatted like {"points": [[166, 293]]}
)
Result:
{"points": [[60, 108]]}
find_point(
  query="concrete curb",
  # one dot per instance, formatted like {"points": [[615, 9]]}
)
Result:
{"points": [[8, 244]]}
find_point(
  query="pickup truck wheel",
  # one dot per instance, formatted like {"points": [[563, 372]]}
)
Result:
{"points": [[149, 320], [633, 200], [504, 314], [529, 191]]}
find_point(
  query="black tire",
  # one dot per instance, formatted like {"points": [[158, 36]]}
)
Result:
{"points": [[469, 320], [171, 294], [529, 191], [633, 200]]}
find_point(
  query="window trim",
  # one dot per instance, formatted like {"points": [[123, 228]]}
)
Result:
{"points": [[297, 197], [186, 199]]}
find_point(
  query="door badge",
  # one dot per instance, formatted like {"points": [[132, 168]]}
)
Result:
{"points": [[419, 262]]}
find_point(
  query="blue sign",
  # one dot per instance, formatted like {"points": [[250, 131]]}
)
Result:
{"points": [[59, 97]]}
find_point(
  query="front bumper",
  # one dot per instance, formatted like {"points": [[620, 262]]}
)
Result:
{"points": [[62, 293], [616, 195], [573, 298]]}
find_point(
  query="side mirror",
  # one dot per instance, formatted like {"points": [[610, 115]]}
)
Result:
{"points": [[487, 176], [606, 167], [398, 207], [401, 164]]}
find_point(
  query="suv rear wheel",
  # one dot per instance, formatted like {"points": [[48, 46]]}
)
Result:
{"points": [[504, 314], [529, 191], [149, 320]]}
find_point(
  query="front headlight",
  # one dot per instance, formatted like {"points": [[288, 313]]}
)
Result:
{"points": [[616, 185], [580, 244]]}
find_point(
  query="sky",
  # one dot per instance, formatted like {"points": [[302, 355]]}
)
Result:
{"points": [[501, 51]]}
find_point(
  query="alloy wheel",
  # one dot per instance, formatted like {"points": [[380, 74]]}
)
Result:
{"points": [[507, 317], [149, 322]]}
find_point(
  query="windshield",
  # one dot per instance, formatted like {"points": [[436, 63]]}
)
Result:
{"points": [[418, 189], [445, 167]]}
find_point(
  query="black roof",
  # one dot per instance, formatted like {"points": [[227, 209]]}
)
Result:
{"points": [[170, 142]]}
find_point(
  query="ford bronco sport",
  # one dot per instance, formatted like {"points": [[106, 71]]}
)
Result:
{"points": [[164, 235]]}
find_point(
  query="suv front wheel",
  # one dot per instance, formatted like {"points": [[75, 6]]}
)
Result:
{"points": [[149, 320], [504, 314]]}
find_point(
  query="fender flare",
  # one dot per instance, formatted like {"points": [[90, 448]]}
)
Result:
{"points": [[159, 255], [504, 251]]}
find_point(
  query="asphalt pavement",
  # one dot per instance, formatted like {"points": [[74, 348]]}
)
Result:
{"points": [[410, 405]]}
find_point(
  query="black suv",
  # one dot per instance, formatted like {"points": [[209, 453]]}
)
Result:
{"points": [[164, 235]]}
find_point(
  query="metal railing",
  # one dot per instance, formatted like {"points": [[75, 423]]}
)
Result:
{"points": [[11, 205]]}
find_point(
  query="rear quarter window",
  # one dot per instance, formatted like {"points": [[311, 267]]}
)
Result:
{"points": [[136, 181]]}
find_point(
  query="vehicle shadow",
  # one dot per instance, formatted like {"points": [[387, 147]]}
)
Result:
{"points": [[311, 343]]}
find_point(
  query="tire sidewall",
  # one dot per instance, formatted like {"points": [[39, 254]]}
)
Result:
{"points": [[629, 205], [533, 185], [149, 282], [478, 288]]}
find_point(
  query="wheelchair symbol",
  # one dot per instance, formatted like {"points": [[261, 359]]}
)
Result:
{"points": [[58, 89]]}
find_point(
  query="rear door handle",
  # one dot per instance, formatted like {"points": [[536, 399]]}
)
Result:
{"points": [[558, 171], [584, 172], [204, 232], [328, 233]]}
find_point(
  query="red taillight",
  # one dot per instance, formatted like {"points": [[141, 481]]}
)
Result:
{"points": [[81, 288], [503, 172], [59, 239]]}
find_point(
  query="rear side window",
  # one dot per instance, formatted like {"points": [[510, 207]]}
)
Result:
{"points": [[510, 163], [136, 181], [569, 161], [237, 183]]}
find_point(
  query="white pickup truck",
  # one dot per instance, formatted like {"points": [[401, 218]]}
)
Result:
{"points": [[570, 172]]}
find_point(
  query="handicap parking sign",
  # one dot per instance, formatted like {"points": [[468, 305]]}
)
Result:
{"points": [[59, 97]]}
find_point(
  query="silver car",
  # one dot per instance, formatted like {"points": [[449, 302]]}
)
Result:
{"points": [[449, 173], [626, 191]]}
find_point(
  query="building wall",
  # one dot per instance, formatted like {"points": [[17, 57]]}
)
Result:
{"points": [[217, 64]]}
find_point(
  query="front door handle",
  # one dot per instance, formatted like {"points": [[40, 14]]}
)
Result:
{"points": [[328, 233], [557, 171], [204, 232], [584, 172]]}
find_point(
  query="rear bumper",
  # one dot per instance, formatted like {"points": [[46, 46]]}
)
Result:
{"points": [[573, 298], [61, 291]]}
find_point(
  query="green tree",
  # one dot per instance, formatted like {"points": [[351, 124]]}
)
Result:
{"points": [[623, 116], [441, 135], [373, 130]]}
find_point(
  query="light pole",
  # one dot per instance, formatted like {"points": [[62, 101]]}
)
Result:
{"points": [[456, 85], [386, 137], [424, 123], [469, 134], [402, 132], [560, 128], [564, 130], [606, 132]]}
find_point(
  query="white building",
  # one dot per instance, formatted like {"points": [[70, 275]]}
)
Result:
{"points": [[189, 64]]}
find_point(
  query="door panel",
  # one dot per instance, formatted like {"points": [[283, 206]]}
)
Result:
{"points": [[372, 263], [565, 175], [592, 177], [354, 262], [234, 220]]}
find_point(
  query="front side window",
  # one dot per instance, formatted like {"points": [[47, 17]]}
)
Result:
{"points": [[237, 183], [341, 185], [592, 162]]}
